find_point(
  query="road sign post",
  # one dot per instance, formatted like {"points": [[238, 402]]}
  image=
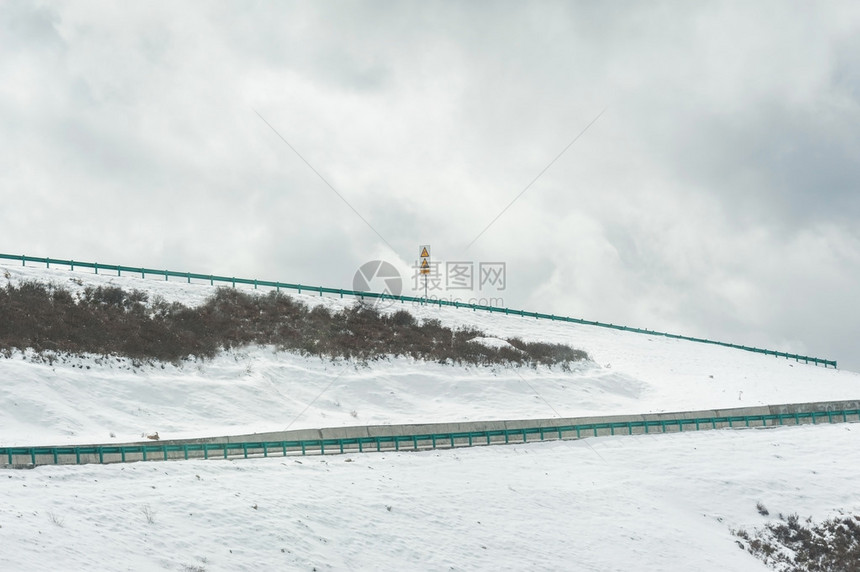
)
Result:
{"points": [[424, 265]]}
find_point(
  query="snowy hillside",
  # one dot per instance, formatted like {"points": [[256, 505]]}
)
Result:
{"points": [[649, 502], [90, 400]]}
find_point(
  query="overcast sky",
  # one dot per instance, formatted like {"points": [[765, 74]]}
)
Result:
{"points": [[716, 194]]}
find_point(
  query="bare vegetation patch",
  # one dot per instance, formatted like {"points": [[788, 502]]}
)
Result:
{"points": [[792, 545], [111, 321]]}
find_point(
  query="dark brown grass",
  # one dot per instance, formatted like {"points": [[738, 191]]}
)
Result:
{"points": [[112, 321], [791, 545]]}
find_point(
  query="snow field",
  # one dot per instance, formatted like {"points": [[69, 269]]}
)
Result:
{"points": [[611, 503]]}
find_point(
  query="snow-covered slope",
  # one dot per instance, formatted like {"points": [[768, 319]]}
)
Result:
{"points": [[92, 399], [664, 502]]}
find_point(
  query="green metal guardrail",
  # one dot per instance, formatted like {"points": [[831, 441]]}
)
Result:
{"points": [[126, 453], [233, 281]]}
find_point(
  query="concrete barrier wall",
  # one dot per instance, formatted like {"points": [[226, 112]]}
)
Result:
{"points": [[814, 407], [476, 426], [548, 423]]}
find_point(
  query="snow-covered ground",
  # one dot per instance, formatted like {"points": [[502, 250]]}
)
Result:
{"points": [[663, 502]]}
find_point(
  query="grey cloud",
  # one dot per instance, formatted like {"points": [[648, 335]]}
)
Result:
{"points": [[786, 166], [26, 27]]}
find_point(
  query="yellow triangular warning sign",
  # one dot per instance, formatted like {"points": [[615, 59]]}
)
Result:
{"points": [[424, 253], [424, 264]]}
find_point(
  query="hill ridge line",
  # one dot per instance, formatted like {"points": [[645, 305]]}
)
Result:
{"points": [[119, 269]]}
